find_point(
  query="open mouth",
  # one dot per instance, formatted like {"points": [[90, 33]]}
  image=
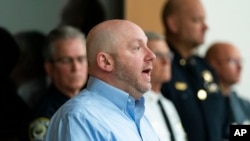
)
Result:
{"points": [[147, 71]]}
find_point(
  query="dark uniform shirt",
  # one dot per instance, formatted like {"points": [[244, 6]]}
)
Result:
{"points": [[51, 103], [194, 91], [14, 113]]}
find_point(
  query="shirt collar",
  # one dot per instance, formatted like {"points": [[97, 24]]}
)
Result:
{"points": [[117, 96], [132, 108], [152, 96]]}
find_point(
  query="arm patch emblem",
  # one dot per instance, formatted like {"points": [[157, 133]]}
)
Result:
{"points": [[38, 129]]}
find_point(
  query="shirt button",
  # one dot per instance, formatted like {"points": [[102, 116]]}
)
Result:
{"points": [[202, 94]]}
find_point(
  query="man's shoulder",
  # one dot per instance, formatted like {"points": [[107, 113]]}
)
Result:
{"points": [[83, 102], [242, 101], [202, 62]]}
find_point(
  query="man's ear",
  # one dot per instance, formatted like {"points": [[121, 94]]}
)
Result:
{"points": [[105, 61], [48, 68], [172, 24]]}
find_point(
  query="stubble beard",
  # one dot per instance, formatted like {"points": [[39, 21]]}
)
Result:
{"points": [[129, 79]]}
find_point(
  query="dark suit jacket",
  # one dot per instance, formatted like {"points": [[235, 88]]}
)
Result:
{"points": [[240, 109]]}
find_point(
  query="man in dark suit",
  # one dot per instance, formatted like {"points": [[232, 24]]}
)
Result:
{"points": [[226, 60], [193, 87]]}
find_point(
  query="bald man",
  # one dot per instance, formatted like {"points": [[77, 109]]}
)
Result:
{"points": [[111, 108], [225, 58], [193, 88]]}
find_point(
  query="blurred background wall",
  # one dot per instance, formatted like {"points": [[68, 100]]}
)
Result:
{"points": [[18, 15]]}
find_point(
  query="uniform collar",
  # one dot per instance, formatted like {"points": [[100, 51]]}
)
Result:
{"points": [[181, 61]]}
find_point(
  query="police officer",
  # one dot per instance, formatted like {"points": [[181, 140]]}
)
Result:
{"points": [[66, 65], [193, 87]]}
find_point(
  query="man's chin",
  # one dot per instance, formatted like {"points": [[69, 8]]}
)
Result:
{"points": [[146, 88], [76, 86]]}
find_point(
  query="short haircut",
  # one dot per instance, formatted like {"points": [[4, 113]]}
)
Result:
{"points": [[170, 7], [154, 36], [61, 32]]}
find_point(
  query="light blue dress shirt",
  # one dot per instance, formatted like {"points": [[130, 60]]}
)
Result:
{"points": [[101, 112]]}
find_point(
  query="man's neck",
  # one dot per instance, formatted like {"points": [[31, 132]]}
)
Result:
{"points": [[69, 93], [184, 50], [156, 88], [225, 89]]}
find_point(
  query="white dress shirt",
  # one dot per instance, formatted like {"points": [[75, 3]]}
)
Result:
{"points": [[154, 114]]}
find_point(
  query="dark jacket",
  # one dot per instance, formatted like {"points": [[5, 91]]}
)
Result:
{"points": [[240, 109], [53, 100], [194, 91]]}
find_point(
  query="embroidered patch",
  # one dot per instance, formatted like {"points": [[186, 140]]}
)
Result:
{"points": [[181, 86], [38, 129]]}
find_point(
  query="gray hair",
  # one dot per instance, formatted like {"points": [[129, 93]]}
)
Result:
{"points": [[154, 36], [61, 32]]}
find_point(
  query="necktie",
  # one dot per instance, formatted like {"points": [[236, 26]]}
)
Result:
{"points": [[166, 120]]}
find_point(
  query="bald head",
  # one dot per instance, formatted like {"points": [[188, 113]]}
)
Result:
{"points": [[105, 35], [225, 58], [172, 7], [118, 54], [219, 51]]}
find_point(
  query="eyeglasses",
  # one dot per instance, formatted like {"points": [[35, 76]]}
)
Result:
{"points": [[234, 61], [70, 60], [166, 56]]}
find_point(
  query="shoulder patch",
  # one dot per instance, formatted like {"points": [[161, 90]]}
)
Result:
{"points": [[38, 129]]}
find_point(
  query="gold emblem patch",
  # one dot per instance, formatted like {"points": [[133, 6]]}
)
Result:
{"points": [[181, 86], [182, 62]]}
